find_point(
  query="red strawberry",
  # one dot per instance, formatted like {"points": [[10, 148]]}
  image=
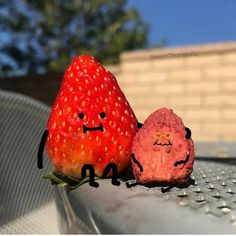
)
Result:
{"points": [[163, 149], [91, 121]]}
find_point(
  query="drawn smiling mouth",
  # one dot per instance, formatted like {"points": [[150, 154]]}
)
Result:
{"points": [[162, 144], [85, 128]]}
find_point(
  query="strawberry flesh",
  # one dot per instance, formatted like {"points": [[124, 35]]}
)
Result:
{"points": [[162, 149]]}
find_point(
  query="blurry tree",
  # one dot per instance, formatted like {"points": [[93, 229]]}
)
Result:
{"points": [[42, 35], [20, 48]]}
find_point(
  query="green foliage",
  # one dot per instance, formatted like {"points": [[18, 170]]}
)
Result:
{"points": [[64, 29]]}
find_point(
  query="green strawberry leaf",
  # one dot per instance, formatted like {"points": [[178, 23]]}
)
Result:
{"points": [[68, 182]]}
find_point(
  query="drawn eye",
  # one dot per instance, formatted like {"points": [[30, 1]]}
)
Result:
{"points": [[102, 115], [157, 134], [81, 115], [167, 135]]}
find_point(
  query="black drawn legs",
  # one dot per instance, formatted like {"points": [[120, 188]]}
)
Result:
{"points": [[113, 167], [110, 166], [91, 175]]}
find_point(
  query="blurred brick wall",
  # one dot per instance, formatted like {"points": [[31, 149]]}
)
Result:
{"points": [[198, 82]]}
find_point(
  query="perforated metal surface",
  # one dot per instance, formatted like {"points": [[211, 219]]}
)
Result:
{"points": [[207, 206], [213, 193]]}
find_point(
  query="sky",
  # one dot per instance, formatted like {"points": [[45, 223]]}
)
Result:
{"points": [[188, 22]]}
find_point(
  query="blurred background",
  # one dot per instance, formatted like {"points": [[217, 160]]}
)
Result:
{"points": [[177, 54]]}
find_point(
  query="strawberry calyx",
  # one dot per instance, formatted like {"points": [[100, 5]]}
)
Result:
{"points": [[68, 182]]}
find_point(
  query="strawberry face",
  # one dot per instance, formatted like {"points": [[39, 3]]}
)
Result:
{"points": [[91, 121]]}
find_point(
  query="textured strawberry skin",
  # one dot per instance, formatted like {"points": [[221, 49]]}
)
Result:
{"points": [[90, 89], [158, 145]]}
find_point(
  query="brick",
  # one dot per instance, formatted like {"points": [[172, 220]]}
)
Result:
{"points": [[228, 114], [201, 113], [177, 111], [203, 60], [152, 78], [229, 58], [203, 136], [213, 72], [219, 127], [167, 63], [152, 101], [195, 127], [229, 85], [168, 88], [220, 72], [180, 112], [220, 100], [228, 71], [136, 102], [149, 104], [114, 69], [186, 74], [202, 87], [126, 91], [185, 101], [139, 91], [143, 114], [126, 79], [135, 66]]}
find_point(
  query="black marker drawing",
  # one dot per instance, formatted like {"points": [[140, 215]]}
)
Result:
{"points": [[113, 167], [188, 133], [136, 162], [85, 128], [164, 190], [162, 144], [140, 125], [91, 175], [182, 161], [41, 148], [130, 185]]}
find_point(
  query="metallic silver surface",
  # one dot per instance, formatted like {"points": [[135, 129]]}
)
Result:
{"points": [[24, 196], [207, 206]]}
